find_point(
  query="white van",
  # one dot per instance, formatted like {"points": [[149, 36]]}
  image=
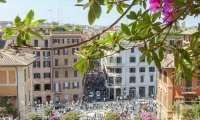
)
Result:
{"points": [[140, 101]]}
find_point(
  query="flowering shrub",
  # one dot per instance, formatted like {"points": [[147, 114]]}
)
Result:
{"points": [[146, 116], [167, 8]]}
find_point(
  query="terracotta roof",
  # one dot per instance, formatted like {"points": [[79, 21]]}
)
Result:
{"points": [[168, 61], [189, 31], [12, 57]]}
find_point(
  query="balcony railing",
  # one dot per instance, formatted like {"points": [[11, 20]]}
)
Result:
{"points": [[63, 64], [57, 91], [188, 90], [114, 64]]}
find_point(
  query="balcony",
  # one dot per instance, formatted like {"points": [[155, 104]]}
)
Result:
{"points": [[114, 64], [57, 91], [112, 85], [63, 65], [189, 90]]}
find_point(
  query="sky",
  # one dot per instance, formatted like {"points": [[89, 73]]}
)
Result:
{"points": [[63, 11]]}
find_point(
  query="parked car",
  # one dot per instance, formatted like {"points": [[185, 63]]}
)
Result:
{"points": [[57, 106], [91, 94]]}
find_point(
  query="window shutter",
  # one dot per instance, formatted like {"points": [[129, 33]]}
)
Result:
{"points": [[44, 64], [39, 63], [77, 40], [77, 84], [54, 87], [43, 53], [39, 75], [33, 64], [59, 88], [58, 52], [63, 40], [69, 85], [63, 86], [44, 75], [38, 53], [73, 85], [58, 40], [34, 75]]}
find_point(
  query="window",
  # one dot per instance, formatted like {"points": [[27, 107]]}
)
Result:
{"points": [[75, 73], [171, 42], [75, 41], [141, 79], [36, 64], [132, 79], [65, 61], [75, 60], [198, 80], [37, 87], [74, 50], [143, 60], [25, 74], [66, 85], [151, 78], [118, 70], [56, 74], [111, 60], [165, 77], [142, 69], [66, 41], [66, 73], [36, 76], [160, 74], [57, 87], [132, 50], [47, 87], [118, 80], [56, 52], [132, 59], [111, 70], [47, 75], [56, 41], [36, 53], [131, 70], [119, 59], [65, 51], [46, 54], [151, 69], [56, 62], [75, 84], [46, 64], [46, 43], [36, 43]]}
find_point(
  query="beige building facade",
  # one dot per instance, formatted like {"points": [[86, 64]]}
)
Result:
{"points": [[54, 79], [16, 78]]}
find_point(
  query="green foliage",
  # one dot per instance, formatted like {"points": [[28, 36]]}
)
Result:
{"points": [[145, 30], [23, 28], [70, 116], [176, 107], [112, 116], [188, 111], [33, 116], [137, 118], [145, 107], [47, 111]]}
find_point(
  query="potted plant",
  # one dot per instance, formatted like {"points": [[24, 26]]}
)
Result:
{"points": [[145, 107], [112, 116], [70, 116], [176, 107], [33, 116]]}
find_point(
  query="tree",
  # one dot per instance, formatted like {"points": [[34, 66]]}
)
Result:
{"points": [[33, 116], [146, 26], [112, 116], [70, 116], [47, 111]]}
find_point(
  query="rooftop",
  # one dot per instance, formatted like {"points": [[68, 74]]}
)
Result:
{"points": [[11, 57], [168, 61], [189, 31]]}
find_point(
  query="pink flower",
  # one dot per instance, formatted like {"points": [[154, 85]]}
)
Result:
{"points": [[154, 5], [168, 1], [168, 16]]}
